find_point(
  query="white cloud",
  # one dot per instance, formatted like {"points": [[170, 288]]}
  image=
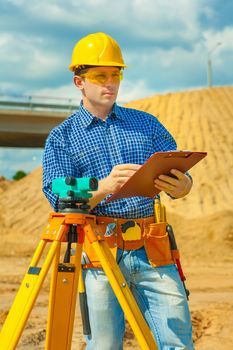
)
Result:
{"points": [[220, 47], [164, 19], [225, 37], [130, 91], [66, 92], [148, 19], [5, 37], [22, 52]]}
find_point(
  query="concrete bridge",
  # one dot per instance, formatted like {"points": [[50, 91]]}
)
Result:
{"points": [[27, 123]]}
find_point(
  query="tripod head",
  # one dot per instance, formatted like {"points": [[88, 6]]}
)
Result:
{"points": [[74, 193]]}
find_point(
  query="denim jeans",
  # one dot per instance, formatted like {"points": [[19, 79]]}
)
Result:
{"points": [[159, 293]]}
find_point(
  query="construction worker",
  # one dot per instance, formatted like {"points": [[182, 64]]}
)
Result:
{"points": [[110, 142]]}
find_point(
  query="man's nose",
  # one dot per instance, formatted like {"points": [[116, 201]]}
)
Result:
{"points": [[110, 80]]}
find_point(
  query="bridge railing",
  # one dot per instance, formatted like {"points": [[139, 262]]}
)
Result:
{"points": [[39, 103]]}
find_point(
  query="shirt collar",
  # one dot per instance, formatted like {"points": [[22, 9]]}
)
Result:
{"points": [[87, 118]]}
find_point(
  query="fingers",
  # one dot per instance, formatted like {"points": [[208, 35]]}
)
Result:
{"points": [[125, 170], [119, 175], [168, 179], [133, 167], [178, 187], [123, 173], [164, 185], [178, 174]]}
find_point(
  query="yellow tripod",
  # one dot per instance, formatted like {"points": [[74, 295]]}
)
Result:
{"points": [[65, 283]]}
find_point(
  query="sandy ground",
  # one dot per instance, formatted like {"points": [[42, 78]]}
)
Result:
{"points": [[203, 222], [211, 306]]}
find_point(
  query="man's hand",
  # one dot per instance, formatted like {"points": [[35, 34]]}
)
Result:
{"points": [[176, 187], [118, 176]]}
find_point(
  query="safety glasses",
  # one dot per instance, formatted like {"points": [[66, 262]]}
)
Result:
{"points": [[100, 78]]}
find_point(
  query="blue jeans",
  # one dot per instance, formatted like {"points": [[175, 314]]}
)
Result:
{"points": [[159, 294]]}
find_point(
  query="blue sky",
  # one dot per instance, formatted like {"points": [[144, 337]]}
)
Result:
{"points": [[165, 44]]}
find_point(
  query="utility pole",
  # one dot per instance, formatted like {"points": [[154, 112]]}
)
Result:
{"points": [[209, 64]]}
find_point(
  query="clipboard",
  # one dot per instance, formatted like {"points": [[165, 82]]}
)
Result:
{"points": [[142, 182]]}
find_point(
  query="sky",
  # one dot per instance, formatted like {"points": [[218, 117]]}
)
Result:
{"points": [[165, 44]]}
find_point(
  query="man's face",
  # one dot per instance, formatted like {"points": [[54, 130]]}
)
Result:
{"points": [[99, 85]]}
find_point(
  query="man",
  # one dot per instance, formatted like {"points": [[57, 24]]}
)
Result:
{"points": [[111, 143]]}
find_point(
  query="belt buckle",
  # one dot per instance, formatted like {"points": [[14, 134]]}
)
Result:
{"points": [[131, 231]]}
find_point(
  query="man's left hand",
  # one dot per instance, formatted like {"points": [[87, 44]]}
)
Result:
{"points": [[176, 187]]}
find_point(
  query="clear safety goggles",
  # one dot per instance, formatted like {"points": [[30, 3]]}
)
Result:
{"points": [[100, 78]]}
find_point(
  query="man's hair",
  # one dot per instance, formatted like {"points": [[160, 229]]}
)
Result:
{"points": [[83, 69]]}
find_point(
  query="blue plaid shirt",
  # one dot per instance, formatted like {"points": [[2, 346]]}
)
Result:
{"points": [[86, 146]]}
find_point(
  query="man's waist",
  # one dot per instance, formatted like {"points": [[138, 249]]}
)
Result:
{"points": [[142, 222], [127, 208], [131, 234], [124, 233]]}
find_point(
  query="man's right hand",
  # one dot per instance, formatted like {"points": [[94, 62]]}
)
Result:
{"points": [[113, 182], [118, 176]]}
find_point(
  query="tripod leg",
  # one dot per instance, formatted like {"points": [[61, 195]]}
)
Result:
{"points": [[122, 291], [63, 295], [83, 305], [26, 297]]}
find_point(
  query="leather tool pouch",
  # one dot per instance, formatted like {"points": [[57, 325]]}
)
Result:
{"points": [[90, 252], [157, 245]]}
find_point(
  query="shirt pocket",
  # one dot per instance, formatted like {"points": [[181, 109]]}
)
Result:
{"points": [[136, 149], [89, 161]]}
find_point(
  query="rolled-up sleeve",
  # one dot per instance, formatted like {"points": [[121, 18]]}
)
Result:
{"points": [[56, 163]]}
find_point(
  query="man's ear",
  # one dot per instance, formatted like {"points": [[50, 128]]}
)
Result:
{"points": [[78, 81]]}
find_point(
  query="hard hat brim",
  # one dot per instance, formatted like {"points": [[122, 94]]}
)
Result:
{"points": [[102, 64]]}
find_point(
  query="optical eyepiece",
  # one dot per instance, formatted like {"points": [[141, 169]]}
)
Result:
{"points": [[93, 183]]}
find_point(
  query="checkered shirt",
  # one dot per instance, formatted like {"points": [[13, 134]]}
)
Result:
{"points": [[86, 146]]}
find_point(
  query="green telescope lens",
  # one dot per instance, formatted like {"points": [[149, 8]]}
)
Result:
{"points": [[74, 188]]}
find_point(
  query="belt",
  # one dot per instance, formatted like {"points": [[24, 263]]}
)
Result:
{"points": [[119, 221], [117, 238]]}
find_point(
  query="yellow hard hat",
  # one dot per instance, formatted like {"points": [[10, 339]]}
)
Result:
{"points": [[97, 49]]}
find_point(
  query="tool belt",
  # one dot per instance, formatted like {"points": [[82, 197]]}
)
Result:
{"points": [[131, 234]]}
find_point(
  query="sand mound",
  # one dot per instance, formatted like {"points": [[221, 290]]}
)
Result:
{"points": [[23, 213], [207, 239], [4, 184]]}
